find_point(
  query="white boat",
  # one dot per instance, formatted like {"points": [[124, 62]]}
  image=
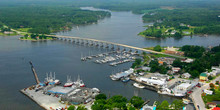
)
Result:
{"points": [[113, 77], [138, 85]]}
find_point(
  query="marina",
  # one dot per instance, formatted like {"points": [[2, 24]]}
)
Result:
{"points": [[113, 58]]}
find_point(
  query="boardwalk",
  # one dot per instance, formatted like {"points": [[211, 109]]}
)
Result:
{"points": [[116, 44]]}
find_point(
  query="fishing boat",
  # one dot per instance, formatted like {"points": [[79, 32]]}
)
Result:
{"points": [[79, 82], [68, 83], [51, 79], [138, 85]]}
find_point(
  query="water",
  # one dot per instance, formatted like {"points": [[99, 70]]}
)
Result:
{"points": [[64, 59]]}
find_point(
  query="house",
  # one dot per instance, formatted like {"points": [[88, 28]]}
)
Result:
{"points": [[211, 104], [176, 69], [186, 75], [203, 77], [217, 69], [160, 62], [188, 60], [213, 73], [145, 68]]}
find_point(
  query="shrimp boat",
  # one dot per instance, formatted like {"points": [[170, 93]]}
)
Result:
{"points": [[51, 79], [79, 82], [138, 85], [69, 82]]}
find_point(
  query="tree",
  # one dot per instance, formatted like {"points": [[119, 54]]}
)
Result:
{"points": [[210, 77], [137, 102], [211, 85], [99, 105], [81, 107], [71, 107], [157, 48], [101, 96], [177, 63], [164, 105], [177, 35], [26, 35], [177, 104]]}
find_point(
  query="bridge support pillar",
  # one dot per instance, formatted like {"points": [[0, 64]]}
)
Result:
{"points": [[124, 49], [102, 45], [97, 44], [107, 46]]}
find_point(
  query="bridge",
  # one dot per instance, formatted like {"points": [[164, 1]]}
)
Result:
{"points": [[106, 44]]}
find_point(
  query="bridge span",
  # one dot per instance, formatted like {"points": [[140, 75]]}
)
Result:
{"points": [[108, 44]]}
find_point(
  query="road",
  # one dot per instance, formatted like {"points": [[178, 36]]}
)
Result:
{"points": [[196, 95]]}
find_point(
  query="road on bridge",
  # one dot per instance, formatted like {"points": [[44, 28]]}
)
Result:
{"points": [[117, 44]]}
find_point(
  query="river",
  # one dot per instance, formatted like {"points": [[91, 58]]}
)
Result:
{"points": [[64, 59]]}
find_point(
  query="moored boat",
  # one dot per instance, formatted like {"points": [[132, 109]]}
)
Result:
{"points": [[125, 79], [138, 85], [69, 82]]}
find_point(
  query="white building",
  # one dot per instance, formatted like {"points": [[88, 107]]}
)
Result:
{"points": [[153, 81], [184, 86], [186, 75]]}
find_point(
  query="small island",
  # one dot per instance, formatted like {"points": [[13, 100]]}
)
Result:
{"points": [[36, 37]]}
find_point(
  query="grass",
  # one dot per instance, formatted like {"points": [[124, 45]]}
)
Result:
{"points": [[23, 29], [210, 98]]}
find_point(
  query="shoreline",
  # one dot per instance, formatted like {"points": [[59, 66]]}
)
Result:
{"points": [[36, 40]]}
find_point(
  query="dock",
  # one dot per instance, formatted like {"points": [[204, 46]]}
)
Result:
{"points": [[148, 86]]}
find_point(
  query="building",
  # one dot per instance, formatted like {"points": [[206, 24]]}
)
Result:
{"points": [[186, 75], [176, 69], [203, 77], [171, 48], [188, 60], [145, 68], [211, 104], [184, 86]]}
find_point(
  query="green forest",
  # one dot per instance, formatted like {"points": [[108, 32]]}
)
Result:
{"points": [[47, 19], [182, 21]]}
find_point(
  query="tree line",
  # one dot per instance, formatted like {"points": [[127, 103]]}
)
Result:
{"points": [[47, 19]]}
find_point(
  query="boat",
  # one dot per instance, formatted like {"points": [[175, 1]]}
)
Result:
{"points": [[79, 82], [68, 83], [125, 79], [138, 85], [51, 80], [113, 77]]}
